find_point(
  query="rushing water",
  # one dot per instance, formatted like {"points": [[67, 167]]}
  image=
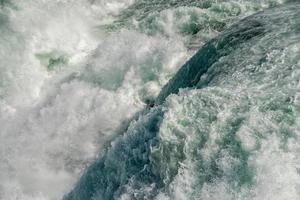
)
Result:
{"points": [[92, 105]]}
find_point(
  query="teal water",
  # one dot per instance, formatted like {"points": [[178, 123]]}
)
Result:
{"points": [[149, 100], [230, 134]]}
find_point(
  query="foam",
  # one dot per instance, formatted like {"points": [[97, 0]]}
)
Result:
{"points": [[55, 119], [233, 140], [54, 122]]}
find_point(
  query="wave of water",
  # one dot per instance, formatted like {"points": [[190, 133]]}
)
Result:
{"points": [[74, 72]]}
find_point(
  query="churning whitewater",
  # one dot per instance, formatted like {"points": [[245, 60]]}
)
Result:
{"points": [[149, 99]]}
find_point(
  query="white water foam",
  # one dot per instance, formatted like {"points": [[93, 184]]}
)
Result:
{"points": [[66, 85]]}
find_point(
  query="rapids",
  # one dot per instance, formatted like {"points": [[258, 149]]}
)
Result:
{"points": [[140, 99]]}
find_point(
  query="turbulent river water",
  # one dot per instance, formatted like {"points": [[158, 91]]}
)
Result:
{"points": [[149, 99]]}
